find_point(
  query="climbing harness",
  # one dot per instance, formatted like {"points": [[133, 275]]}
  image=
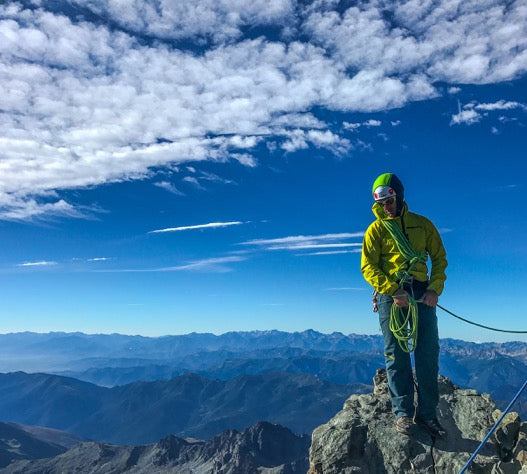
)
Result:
{"points": [[403, 324], [469, 462]]}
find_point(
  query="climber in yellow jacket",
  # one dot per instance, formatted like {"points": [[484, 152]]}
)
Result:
{"points": [[384, 266]]}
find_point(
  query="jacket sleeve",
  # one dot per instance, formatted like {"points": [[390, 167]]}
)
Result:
{"points": [[436, 250], [370, 262]]}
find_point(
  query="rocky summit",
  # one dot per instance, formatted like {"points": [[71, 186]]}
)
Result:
{"points": [[361, 438]]}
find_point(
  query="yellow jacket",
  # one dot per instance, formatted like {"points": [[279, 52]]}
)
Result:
{"points": [[381, 259]]}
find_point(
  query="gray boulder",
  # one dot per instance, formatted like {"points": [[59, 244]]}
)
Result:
{"points": [[361, 438]]}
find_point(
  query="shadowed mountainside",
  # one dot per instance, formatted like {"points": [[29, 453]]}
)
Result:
{"points": [[189, 405], [32, 442], [359, 438], [263, 447]]}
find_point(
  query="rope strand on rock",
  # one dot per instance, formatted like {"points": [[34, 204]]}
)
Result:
{"points": [[469, 462]]}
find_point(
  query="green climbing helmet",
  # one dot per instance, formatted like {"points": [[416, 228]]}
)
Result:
{"points": [[387, 185]]}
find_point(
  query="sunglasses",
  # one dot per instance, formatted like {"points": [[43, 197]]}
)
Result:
{"points": [[387, 202]]}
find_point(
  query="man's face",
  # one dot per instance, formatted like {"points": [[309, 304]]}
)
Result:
{"points": [[390, 206]]}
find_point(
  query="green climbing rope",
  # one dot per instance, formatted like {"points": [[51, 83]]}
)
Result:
{"points": [[480, 325], [405, 248], [403, 324]]}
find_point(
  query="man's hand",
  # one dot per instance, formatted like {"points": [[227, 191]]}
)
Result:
{"points": [[400, 298], [430, 298]]}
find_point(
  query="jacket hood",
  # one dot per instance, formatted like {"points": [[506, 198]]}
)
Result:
{"points": [[389, 181]]}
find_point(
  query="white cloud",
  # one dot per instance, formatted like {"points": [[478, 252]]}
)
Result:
{"points": [[474, 112], [193, 181], [210, 265], [213, 265], [301, 139], [99, 259], [465, 116], [504, 119], [87, 103], [470, 42], [244, 158], [210, 225], [317, 246], [169, 187], [328, 252], [310, 246], [351, 125], [42, 263], [368, 123], [18, 206], [219, 20], [302, 242], [215, 178], [500, 105]]}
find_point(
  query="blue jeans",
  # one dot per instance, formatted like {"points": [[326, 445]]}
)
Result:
{"points": [[399, 363]]}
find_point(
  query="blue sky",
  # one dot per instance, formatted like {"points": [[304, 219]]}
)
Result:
{"points": [[169, 168]]}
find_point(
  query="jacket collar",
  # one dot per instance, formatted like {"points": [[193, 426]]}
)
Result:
{"points": [[378, 211]]}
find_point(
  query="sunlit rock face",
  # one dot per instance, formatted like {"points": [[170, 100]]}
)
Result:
{"points": [[361, 437]]}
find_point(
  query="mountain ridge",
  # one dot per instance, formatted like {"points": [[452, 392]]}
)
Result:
{"points": [[263, 447], [189, 405]]}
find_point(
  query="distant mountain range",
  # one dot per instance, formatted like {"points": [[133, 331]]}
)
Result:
{"points": [[34, 352], [133, 389], [337, 367]]}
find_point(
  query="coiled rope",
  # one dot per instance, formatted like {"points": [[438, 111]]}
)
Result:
{"points": [[404, 326]]}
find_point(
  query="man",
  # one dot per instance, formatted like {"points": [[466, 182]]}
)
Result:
{"points": [[398, 281]]}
